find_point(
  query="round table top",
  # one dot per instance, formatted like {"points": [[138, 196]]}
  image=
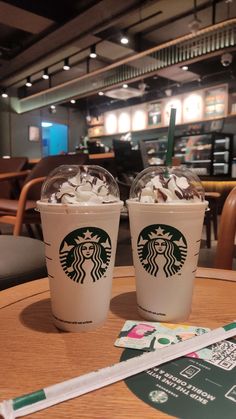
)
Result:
{"points": [[34, 354]]}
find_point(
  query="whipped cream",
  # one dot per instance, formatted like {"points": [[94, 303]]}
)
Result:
{"points": [[160, 189], [83, 188]]}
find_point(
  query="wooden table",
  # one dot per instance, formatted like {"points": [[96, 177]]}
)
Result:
{"points": [[34, 354]]}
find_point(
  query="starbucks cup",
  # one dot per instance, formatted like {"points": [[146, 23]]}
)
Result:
{"points": [[166, 236], [80, 243]]}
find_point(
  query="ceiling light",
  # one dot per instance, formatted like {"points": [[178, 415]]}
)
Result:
{"points": [[226, 59], [46, 124], [184, 67], [28, 82], [52, 109], [125, 86], [4, 93], [66, 65], [168, 92], [73, 101], [101, 93], [124, 39], [195, 25], [93, 53], [45, 75]]}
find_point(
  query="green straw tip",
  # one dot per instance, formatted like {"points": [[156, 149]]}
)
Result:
{"points": [[170, 144]]}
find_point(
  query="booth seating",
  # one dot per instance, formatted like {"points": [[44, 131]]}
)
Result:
{"points": [[225, 250], [22, 260]]}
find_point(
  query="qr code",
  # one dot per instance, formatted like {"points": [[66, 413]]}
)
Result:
{"points": [[223, 355]]}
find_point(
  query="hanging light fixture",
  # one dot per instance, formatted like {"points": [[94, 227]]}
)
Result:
{"points": [[4, 93], [45, 75], [195, 24], [28, 82], [124, 39], [93, 53], [66, 65]]}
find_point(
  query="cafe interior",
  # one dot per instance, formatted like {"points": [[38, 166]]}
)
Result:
{"points": [[90, 82]]}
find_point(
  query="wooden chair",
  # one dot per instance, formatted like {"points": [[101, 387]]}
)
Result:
{"points": [[9, 188], [22, 211], [226, 237]]}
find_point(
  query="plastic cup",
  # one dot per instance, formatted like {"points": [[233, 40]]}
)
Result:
{"points": [[165, 239], [80, 246]]}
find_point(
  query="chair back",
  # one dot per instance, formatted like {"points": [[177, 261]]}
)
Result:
{"points": [[12, 164], [46, 165], [225, 245], [127, 159]]}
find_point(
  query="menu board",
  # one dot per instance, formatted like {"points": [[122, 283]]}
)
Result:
{"points": [[154, 114], [216, 102], [205, 104]]}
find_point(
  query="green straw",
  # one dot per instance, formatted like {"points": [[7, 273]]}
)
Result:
{"points": [[170, 143]]}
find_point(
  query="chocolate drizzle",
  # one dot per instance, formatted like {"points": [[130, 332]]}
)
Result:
{"points": [[163, 188]]}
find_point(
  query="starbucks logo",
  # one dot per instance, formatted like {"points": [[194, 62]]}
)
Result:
{"points": [[85, 251], [158, 396], [162, 249]]}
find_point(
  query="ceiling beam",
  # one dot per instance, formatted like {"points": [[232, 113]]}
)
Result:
{"points": [[22, 19], [98, 17]]}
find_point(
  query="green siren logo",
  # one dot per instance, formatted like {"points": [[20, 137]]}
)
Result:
{"points": [[85, 251], [162, 249]]}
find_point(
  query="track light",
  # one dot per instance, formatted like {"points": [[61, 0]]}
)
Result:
{"points": [[124, 39], [45, 75], [73, 101], [4, 93], [100, 93], [168, 92], [66, 65], [125, 86], [52, 109], [185, 67], [28, 82], [93, 53]]}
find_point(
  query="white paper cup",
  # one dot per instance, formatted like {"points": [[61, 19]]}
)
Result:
{"points": [[80, 246], [165, 242]]}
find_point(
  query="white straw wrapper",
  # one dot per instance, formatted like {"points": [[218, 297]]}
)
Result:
{"points": [[57, 393]]}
